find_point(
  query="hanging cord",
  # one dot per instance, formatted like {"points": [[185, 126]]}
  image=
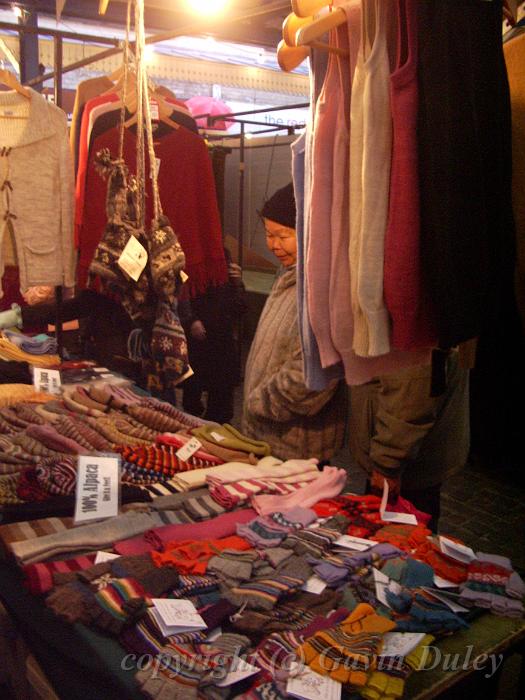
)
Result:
{"points": [[125, 86], [157, 208], [139, 69]]}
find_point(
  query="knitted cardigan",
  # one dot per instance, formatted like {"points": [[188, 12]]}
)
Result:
{"points": [[39, 169], [278, 407]]}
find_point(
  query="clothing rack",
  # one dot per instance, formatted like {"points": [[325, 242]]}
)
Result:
{"points": [[274, 128], [116, 47]]}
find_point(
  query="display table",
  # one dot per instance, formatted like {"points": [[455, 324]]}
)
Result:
{"points": [[80, 663]]}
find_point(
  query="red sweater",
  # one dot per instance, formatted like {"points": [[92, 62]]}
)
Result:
{"points": [[187, 192]]}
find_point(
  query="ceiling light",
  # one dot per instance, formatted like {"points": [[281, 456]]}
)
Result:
{"points": [[207, 7]]}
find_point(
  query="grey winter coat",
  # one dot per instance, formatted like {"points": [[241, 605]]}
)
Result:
{"points": [[278, 407]]}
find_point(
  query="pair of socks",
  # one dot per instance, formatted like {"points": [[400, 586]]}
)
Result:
{"points": [[262, 532], [263, 593], [421, 613]]}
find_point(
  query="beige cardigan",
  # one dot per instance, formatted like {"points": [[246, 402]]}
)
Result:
{"points": [[278, 406], [39, 168]]}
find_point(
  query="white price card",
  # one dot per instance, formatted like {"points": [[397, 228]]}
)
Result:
{"points": [[456, 550], [217, 436], [175, 616], [105, 556], [154, 112], [312, 686], [47, 380], [357, 543], [189, 449], [391, 517], [133, 258], [239, 670], [442, 597], [381, 583], [443, 583], [314, 585], [400, 643], [97, 494]]}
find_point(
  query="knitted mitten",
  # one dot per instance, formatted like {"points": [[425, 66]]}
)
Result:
{"points": [[11, 317]]}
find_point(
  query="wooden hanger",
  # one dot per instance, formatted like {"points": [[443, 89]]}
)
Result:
{"points": [[307, 8], [289, 57], [9, 79], [320, 26], [292, 25]]}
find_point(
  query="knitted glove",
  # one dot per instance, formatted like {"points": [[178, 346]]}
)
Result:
{"points": [[11, 317]]}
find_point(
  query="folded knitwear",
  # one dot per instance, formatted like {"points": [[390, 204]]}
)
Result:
{"points": [[235, 494], [228, 436], [328, 484], [41, 344], [85, 538], [161, 537]]}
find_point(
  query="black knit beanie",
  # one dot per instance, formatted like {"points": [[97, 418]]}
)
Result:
{"points": [[281, 207]]}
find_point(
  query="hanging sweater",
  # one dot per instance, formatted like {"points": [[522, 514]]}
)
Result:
{"points": [[278, 407], [39, 169]]}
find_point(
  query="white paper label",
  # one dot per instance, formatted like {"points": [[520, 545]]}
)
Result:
{"points": [[381, 582], [47, 380], [154, 111], [157, 166], [175, 616], [97, 494], [455, 607], [312, 686], [443, 583], [105, 556], [240, 669], [189, 449], [314, 584], [100, 369], [389, 516], [456, 550], [400, 643], [183, 276], [133, 258], [357, 543], [217, 436]]}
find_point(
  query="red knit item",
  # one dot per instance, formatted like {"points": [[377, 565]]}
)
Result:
{"points": [[404, 537], [444, 566], [191, 557]]}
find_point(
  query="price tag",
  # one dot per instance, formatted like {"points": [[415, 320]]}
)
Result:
{"points": [[105, 556], [400, 643], [47, 380], [183, 276], [240, 669], [133, 258], [357, 543], [217, 436], [456, 550], [391, 517], [313, 686], [176, 616], [314, 585], [189, 449], [154, 110], [97, 494]]}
